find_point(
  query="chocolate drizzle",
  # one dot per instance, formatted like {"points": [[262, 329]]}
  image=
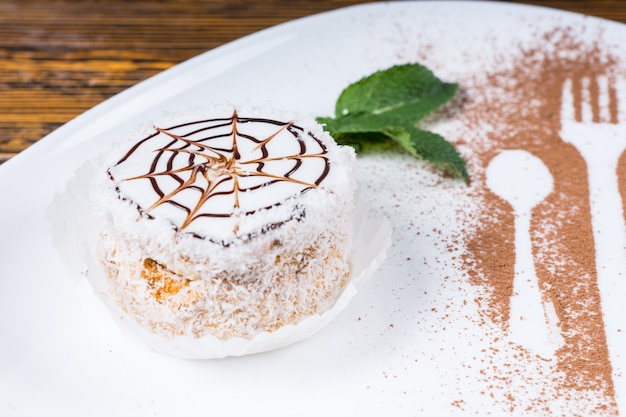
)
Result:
{"points": [[216, 168]]}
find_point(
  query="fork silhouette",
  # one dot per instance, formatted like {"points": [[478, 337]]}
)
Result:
{"points": [[596, 126]]}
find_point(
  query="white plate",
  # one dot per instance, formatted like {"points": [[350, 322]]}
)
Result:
{"points": [[409, 344]]}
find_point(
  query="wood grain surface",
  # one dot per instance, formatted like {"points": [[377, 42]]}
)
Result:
{"points": [[59, 58]]}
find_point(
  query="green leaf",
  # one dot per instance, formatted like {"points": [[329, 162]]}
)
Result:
{"points": [[368, 142], [422, 144], [409, 91], [382, 110], [434, 148]]}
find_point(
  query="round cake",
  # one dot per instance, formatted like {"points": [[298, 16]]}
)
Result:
{"points": [[226, 221]]}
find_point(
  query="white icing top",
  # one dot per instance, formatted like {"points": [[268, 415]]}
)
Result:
{"points": [[205, 176]]}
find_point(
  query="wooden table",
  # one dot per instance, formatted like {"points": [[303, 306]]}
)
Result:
{"points": [[58, 58]]}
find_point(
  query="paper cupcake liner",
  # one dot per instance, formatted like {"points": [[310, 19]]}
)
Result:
{"points": [[74, 232]]}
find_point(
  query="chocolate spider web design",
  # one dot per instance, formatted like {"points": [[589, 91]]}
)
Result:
{"points": [[218, 165]]}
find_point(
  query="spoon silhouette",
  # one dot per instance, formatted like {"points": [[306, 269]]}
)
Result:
{"points": [[523, 181]]}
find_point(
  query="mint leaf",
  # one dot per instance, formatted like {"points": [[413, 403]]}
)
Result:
{"points": [[434, 148], [409, 90], [387, 105]]}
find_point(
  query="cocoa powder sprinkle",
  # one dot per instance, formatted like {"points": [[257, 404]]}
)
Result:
{"points": [[525, 115]]}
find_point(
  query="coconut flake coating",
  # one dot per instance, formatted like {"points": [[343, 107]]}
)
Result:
{"points": [[227, 222]]}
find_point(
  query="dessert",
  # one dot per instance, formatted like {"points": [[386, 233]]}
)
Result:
{"points": [[226, 222]]}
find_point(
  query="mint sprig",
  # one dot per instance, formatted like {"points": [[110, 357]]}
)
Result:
{"points": [[385, 107]]}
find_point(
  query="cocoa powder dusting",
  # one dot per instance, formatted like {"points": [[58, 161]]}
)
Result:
{"points": [[522, 105], [621, 176]]}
